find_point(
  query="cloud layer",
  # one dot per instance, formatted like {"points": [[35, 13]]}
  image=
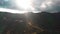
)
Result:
{"points": [[38, 5]]}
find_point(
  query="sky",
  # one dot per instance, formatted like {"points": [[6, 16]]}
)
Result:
{"points": [[37, 5], [4, 3]]}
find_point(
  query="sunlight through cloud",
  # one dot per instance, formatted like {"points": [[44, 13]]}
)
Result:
{"points": [[24, 4]]}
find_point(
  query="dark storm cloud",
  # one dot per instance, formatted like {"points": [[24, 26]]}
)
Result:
{"points": [[4, 3], [7, 4], [54, 6], [37, 4]]}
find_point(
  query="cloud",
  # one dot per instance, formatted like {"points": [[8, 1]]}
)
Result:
{"points": [[38, 5], [47, 5]]}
